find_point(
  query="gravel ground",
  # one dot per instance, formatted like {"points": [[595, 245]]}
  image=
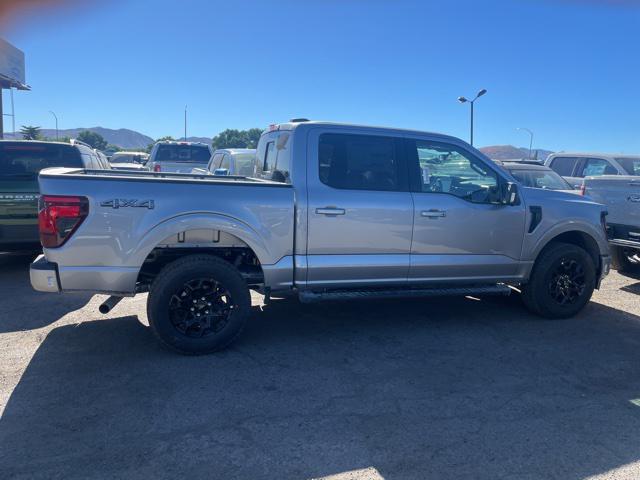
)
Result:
{"points": [[422, 389]]}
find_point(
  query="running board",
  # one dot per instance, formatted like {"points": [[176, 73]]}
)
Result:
{"points": [[307, 296]]}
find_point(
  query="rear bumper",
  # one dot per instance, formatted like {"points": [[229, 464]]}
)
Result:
{"points": [[44, 275]]}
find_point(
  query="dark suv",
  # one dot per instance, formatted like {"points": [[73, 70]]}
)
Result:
{"points": [[20, 163]]}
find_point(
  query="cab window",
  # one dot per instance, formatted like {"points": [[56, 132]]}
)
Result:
{"points": [[215, 162], [594, 167], [358, 162], [447, 169], [564, 166]]}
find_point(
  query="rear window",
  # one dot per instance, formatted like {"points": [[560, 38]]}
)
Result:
{"points": [[24, 160], [630, 165], [183, 153]]}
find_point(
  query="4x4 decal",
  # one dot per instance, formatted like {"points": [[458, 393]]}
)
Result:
{"points": [[122, 203]]}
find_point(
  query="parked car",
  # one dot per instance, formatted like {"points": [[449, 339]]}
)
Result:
{"points": [[621, 195], [362, 212], [232, 161], [178, 157], [535, 175], [574, 167], [129, 160], [20, 162]]}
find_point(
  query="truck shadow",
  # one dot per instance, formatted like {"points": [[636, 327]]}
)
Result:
{"points": [[22, 308], [420, 389]]}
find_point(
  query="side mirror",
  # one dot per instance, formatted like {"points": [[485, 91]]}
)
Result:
{"points": [[510, 194], [221, 172]]}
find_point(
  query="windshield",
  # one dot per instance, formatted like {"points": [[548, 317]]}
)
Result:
{"points": [[183, 153], [24, 160], [547, 179], [630, 165]]}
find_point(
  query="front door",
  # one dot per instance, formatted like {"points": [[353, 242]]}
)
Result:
{"points": [[461, 230], [360, 211]]}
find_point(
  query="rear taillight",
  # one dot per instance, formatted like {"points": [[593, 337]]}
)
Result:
{"points": [[157, 168], [59, 217]]}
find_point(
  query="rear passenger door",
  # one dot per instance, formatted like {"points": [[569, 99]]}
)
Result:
{"points": [[360, 212]]}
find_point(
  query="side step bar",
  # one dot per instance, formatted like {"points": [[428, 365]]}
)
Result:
{"points": [[307, 296]]}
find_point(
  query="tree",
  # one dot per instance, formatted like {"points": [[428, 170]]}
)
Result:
{"points": [[64, 139], [232, 138], [93, 139], [30, 132], [167, 138]]}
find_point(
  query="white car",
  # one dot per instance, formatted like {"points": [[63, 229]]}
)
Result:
{"points": [[179, 157], [129, 160]]}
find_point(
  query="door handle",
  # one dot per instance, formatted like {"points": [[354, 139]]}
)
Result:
{"points": [[330, 211], [433, 213]]}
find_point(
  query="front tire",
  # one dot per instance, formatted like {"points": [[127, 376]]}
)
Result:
{"points": [[198, 304], [561, 283]]}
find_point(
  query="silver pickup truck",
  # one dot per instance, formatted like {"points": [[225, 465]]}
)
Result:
{"points": [[335, 212], [621, 195]]}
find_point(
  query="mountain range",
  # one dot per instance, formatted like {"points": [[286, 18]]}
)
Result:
{"points": [[132, 140], [509, 152], [122, 137]]}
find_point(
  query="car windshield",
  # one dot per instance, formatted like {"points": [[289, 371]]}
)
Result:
{"points": [[24, 160], [630, 165], [547, 179], [183, 153]]}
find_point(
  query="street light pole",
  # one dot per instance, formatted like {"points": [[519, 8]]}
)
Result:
{"points": [[185, 123], [472, 102], [530, 139], [56, 117]]}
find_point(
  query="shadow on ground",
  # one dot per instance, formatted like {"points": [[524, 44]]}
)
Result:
{"points": [[25, 309], [420, 389]]}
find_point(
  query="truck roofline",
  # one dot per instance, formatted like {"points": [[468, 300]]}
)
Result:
{"points": [[290, 126]]}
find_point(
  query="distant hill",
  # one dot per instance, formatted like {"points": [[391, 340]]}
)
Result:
{"points": [[207, 140], [123, 137], [509, 152]]}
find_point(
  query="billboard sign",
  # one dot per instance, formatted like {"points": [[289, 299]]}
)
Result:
{"points": [[11, 63]]}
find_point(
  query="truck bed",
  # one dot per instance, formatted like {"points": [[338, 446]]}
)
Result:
{"points": [[132, 213]]}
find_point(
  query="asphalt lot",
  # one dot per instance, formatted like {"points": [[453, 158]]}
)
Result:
{"points": [[425, 389]]}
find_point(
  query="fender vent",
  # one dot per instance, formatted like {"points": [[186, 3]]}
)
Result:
{"points": [[536, 217]]}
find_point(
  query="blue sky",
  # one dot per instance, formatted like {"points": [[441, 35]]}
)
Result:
{"points": [[567, 69]]}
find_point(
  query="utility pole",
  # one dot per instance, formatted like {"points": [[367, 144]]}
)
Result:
{"points": [[472, 102], [530, 139], [185, 123]]}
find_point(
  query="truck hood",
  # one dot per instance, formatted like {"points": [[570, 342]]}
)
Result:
{"points": [[548, 197]]}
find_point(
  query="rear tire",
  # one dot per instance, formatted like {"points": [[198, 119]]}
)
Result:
{"points": [[198, 304], [625, 260], [561, 283]]}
